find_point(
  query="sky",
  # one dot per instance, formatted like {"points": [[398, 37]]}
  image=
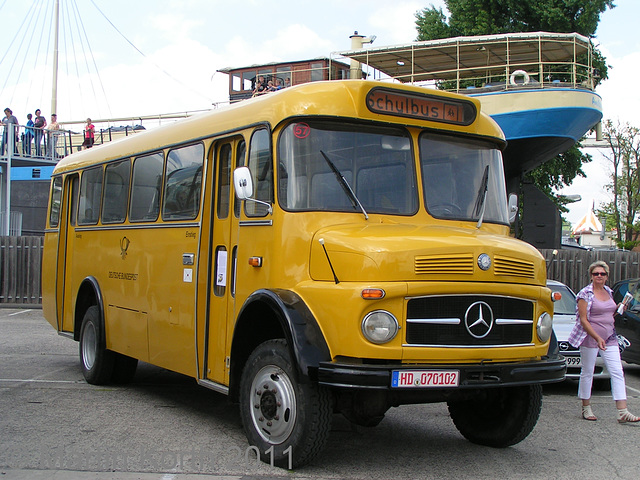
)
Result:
{"points": [[120, 58]]}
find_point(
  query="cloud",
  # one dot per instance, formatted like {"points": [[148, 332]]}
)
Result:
{"points": [[621, 103], [175, 25], [396, 23]]}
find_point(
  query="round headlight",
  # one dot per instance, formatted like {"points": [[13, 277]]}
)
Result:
{"points": [[544, 327], [379, 327]]}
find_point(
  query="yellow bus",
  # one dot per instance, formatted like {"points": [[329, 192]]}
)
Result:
{"points": [[333, 247]]}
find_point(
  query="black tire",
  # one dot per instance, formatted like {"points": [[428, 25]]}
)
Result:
{"points": [[288, 421], [501, 417], [97, 362], [124, 368]]}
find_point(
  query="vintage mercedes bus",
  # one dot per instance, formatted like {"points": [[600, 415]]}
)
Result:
{"points": [[333, 247]]}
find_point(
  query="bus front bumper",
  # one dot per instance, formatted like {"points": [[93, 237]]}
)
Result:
{"points": [[549, 369]]}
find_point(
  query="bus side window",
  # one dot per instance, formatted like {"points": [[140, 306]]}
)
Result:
{"points": [[224, 180], [260, 164], [183, 183], [74, 200], [116, 192], [145, 188], [241, 153], [90, 195], [56, 202]]}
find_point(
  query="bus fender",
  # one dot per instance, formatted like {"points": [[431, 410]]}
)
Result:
{"points": [[89, 294], [300, 328]]}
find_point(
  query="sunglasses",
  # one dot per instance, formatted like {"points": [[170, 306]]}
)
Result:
{"points": [[599, 274]]}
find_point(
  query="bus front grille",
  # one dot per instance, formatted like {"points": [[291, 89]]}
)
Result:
{"points": [[469, 321]]}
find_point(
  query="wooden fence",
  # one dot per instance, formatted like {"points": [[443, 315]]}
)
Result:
{"points": [[571, 267], [20, 270], [21, 262]]}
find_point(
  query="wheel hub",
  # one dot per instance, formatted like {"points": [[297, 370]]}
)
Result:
{"points": [[273, 404]]}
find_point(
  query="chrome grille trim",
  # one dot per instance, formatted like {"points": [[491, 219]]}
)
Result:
{"points": [[438, 321], [512, 321]]}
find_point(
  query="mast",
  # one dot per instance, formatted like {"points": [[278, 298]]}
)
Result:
{"points": [[54, 83]]}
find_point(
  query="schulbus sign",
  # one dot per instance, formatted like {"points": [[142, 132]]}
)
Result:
{"points": [[423, 107]]}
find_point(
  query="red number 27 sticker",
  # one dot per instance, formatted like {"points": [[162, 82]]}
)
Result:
{"points": [[301, 130]]}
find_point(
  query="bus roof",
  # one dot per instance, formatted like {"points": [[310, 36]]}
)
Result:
{"points": [[335, 98]]}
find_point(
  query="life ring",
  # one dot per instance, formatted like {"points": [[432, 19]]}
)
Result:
{"points": [[525, 75]]}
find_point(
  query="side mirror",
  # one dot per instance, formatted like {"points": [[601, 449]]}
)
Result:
{"points": [[243, 182], [513, 207]]}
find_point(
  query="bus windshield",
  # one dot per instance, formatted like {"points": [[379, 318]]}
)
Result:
{"points": [[376, 163], [463, 179]]}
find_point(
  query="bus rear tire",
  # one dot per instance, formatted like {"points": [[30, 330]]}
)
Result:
{"points": [[97, 362], [287, 420], [501, 417]]}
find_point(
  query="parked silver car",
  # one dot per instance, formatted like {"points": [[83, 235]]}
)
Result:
{"points": [[564, 317]]}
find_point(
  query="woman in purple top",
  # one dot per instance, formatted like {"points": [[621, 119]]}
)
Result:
{"points": [[594, 332]]}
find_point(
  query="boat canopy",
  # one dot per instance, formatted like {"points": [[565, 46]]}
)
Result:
{"points": [[487, 60]]}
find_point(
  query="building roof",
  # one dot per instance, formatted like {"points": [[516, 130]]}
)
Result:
{"points": [[588, 224]]}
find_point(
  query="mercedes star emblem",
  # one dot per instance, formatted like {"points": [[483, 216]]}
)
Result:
{"points": [[478, 320]]}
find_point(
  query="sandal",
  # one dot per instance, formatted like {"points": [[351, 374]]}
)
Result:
{"points": [[625, 416], [587, 413]]}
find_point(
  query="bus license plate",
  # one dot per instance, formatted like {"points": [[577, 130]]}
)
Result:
{"points": [[425, 378]]}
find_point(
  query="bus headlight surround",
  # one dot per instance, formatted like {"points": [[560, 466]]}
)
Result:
{"points": [[544, 327], [380, 327]]}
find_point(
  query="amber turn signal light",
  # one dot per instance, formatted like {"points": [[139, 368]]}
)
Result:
{"points": [[372, 293]]}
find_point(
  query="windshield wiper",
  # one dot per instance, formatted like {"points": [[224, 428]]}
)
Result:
{"points": [[482, 196], [345, 186]]}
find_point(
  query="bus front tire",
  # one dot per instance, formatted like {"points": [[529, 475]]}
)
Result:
{"points": [[501, 417], [97, 362], [286, 420]]}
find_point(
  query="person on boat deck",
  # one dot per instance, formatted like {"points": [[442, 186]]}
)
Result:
{"points": [[10, 123], [261, 86], [53, 129], [28, 135], [39, 124], [89, 134]]}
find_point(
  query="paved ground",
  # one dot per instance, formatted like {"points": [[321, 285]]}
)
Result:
{"points": [[164, 427]]}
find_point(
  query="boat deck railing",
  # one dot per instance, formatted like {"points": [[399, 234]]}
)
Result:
{"points": [[22, 150], [486, 62]]}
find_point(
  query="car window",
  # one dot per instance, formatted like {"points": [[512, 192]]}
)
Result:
{"points": [[567, 304], [628, 286], [619, 291]]}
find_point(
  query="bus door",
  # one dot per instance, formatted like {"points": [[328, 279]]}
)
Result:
{"points": [[220, 249], [64, 295]]}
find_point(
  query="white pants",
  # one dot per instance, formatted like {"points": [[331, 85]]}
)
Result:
{"points": [[611, 357]]}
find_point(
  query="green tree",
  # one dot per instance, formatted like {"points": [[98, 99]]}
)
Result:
{"points": [[484, 17], [623, 153]]}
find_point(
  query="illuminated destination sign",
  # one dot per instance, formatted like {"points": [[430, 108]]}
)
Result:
{"points": [[423, 107]]}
